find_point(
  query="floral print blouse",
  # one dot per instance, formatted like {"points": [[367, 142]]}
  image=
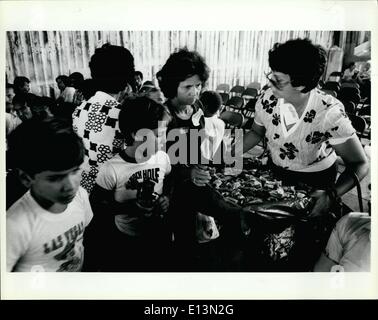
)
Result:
{"points": [[307, 145]]}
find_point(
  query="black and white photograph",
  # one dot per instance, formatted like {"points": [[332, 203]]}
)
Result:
{"points": [[166, 157]]}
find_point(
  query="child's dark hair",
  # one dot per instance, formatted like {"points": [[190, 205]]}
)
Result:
{"points": [[112, 67], [181, 65], [140, 113], [87, 88], [211, 101], [139, 73], [51, 144], [76, 78], [19, 83], [66, 81], [303, 61]]}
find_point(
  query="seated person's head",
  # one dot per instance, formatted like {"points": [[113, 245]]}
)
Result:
{"points": [[62, 82], [351, 66], [150, 91], [9, 95], [298, 63], [76, 78], [87, 89], [211, 102], [144, 113], [21, 107], [156, 95], [21, 85], [41, 107], [138, 77], [112, 67], [183, 76], [48, 155]]}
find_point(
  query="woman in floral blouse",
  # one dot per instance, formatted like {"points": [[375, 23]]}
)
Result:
{"points": [[305, 128]]}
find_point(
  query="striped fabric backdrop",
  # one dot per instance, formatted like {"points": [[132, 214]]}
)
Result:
{"points": [[235, 57]]}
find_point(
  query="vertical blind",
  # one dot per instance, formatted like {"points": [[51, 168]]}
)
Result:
{"points": [[234, 57]]}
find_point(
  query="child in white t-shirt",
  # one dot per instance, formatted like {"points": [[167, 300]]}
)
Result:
{"points": [[131, 191], [45, 226], [214, 127]]}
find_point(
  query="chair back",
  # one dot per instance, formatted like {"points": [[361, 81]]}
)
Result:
{"points": [[365, 111], [225, 97], [256, 85], [349, 90], [331, 92], [336, 74], [223, 87], [249, 109], [232, 119], [350, 85], [332, 85], [235, 104], [347, 94], [237, 90], [349, 107], [249, 93], [358, 123]]}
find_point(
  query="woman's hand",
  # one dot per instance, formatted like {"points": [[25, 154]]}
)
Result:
{"points": [[199, 175], [322, 205]]}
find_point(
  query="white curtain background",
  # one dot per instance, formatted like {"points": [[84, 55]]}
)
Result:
{"points": [[234, 57]]}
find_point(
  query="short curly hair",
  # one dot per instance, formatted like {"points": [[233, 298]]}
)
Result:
{"points": [[302, 60], [112, 68], [181, 65]]}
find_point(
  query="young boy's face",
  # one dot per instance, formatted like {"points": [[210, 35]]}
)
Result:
{"points": [[23, 111], [188, 90], [25, 87], [56, 186]]}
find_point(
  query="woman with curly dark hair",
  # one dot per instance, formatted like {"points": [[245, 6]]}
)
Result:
{"points": [[181, 80]]}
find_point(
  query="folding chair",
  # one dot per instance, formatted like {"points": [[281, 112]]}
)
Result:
{"points": [[237, 90], [349, 90], [350, 85], [249, 114], [332, 85], [331, 92], [232, 119], [336, 74], [347, 94], [255, 85], [349, 107], [225, 97], [249, 93], [358, 123], [235, 104], [223, 87]]}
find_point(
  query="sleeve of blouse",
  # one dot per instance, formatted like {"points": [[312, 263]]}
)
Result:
{"points": [[337, 124]]}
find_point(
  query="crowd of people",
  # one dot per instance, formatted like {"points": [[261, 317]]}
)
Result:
{"points": [[95, 169]]}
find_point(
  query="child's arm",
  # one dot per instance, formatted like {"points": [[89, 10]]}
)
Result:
{"points": [[104, 205]]}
